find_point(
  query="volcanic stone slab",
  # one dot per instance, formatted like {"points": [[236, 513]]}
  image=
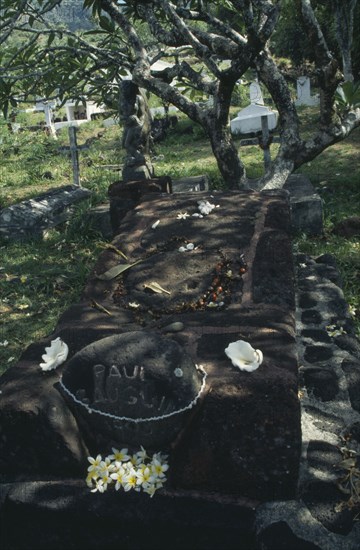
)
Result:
{"points": [[243, 437], [65, 514], [126, 380], [306, 205]]}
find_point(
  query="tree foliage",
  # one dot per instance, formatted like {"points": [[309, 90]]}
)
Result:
{"points": [[209, 47]]}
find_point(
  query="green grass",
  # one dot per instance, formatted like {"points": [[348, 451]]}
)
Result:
{"points": [[40, 279]]}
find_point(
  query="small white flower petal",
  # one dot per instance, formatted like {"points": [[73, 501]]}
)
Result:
{"points": [[55, 355], [154, 225], [190, 246], [244, 356], [182, 249], [134, 305]]}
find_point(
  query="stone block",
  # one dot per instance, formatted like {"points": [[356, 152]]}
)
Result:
{"points": [[306, 205], [38, 433], [64, 514], [125, 195], [352, 373], [32, 217], [191, 184], [100, 221]]}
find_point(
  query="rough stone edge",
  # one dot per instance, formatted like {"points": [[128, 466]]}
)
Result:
{"points": [[303, 525], [295, 513]]}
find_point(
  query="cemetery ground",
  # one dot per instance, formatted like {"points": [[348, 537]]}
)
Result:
{"points": [[40, 279]]}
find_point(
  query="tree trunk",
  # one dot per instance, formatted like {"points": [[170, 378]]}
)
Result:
{"points": [[276, 177], [347, 65], [344, 17], [215, 121], [227, 157]]}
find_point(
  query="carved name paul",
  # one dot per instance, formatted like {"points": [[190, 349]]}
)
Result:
{"points": [[125, 387]]}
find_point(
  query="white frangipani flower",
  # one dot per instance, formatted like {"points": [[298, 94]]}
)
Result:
{"points": [[119, 456], [205, 207], [182, 215], [244, 356], [130, 480], [138, 472], [189, 246], [119, 477], [334, 331], [55, 355], [4, 343], [352, 311], [154, 225]]}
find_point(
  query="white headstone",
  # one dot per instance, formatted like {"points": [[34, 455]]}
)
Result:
{"points": [[256, 94], [304, 92], [49, 120], [303, 88]]}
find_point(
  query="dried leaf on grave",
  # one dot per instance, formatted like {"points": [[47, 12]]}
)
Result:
{"points": [[117, 250], [347, 464], [115, 271], [155, 287], [100, 307]]}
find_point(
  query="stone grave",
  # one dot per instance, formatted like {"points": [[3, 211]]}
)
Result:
{"points": [[147, 366], [303, 91], [31, 218], [248, 120]]}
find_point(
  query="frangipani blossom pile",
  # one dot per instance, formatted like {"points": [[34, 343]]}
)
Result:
{"points": [[122, 470]]}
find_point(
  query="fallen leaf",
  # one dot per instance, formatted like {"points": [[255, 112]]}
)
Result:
{"points": [[117, 250], [100, 307], [115, 271], [155, 287]]}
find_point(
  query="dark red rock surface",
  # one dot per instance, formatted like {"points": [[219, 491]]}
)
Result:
{"points": [[244, 436]]}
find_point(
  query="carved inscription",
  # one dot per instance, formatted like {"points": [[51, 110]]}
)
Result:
{"points": [[125, 389]]}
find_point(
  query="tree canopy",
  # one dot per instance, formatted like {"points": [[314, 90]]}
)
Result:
{"points": [[208, 46]]}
